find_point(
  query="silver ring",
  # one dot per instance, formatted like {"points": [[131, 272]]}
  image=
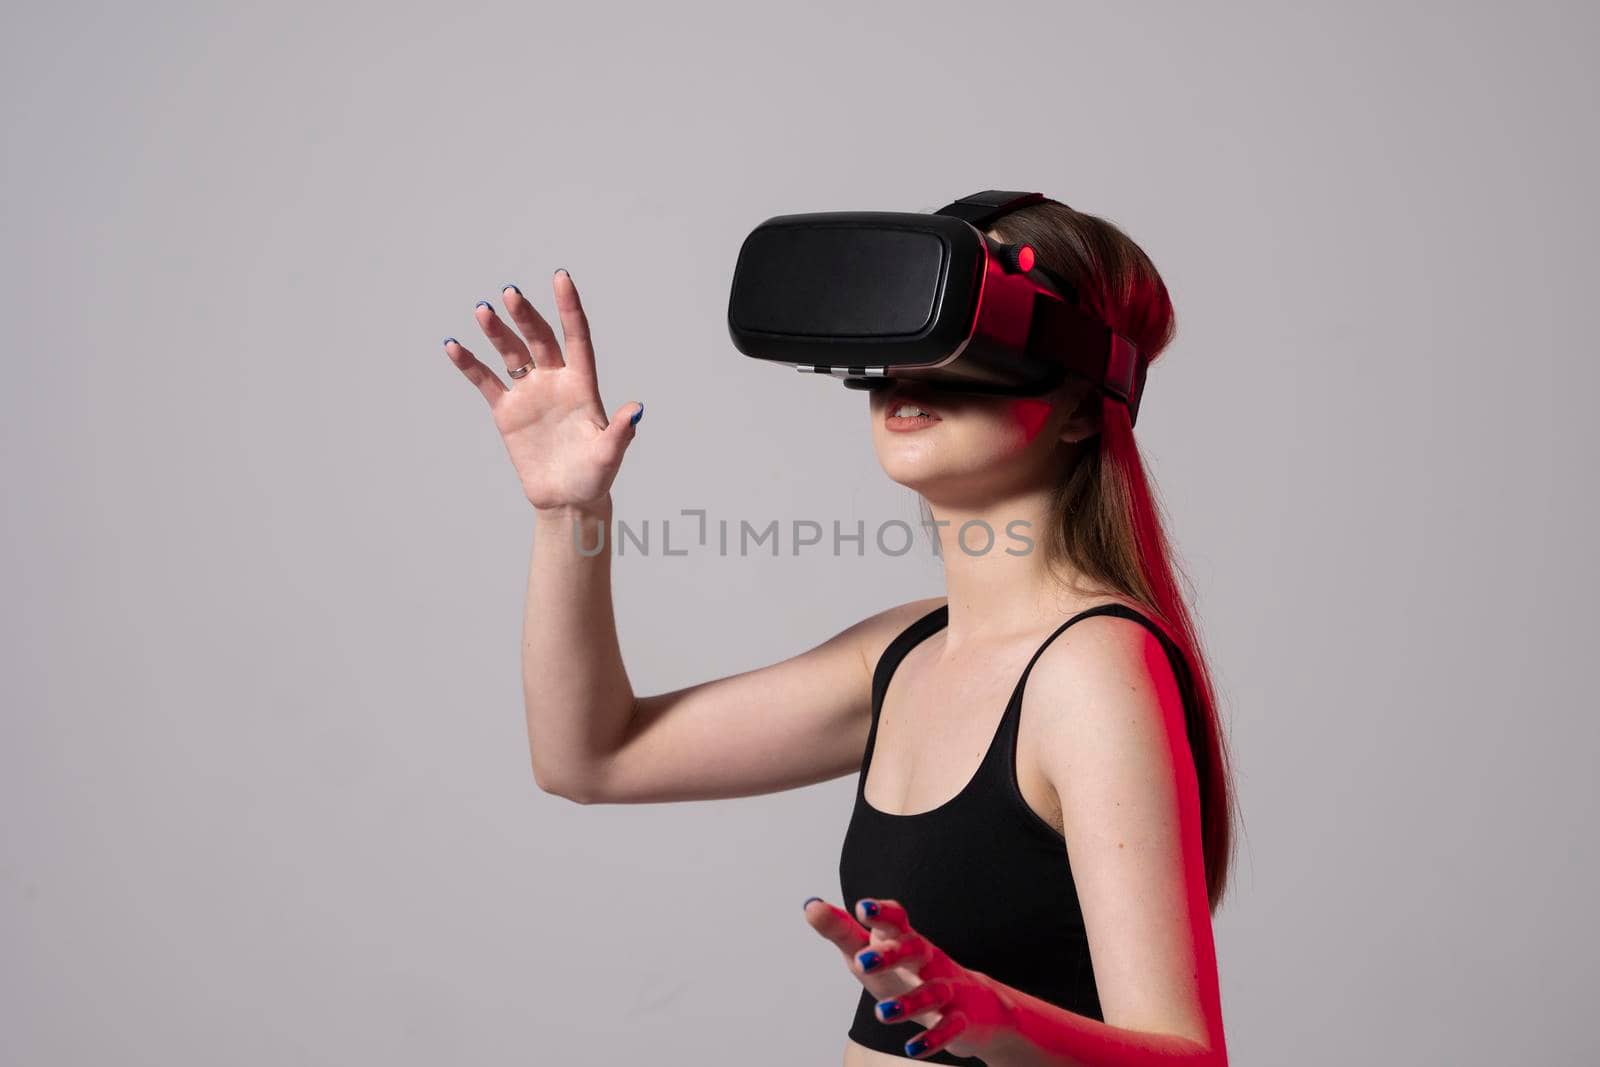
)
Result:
{"points": [[518, 372]]}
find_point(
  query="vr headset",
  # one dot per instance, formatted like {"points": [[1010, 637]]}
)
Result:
{"points": [[874, 296]]}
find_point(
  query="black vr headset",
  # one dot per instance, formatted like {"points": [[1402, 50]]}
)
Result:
{"points": [[874, 296]]}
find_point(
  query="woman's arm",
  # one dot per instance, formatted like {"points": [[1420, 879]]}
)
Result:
{"points": [[590, 739], [784, 725], [566, 453], [576, 695], [1048, 1035], [1114, 747], [780, 726]]}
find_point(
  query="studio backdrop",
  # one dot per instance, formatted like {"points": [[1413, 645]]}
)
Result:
{"points": [[265, 789]]}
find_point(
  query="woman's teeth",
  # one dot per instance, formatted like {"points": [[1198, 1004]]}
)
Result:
{"points": [[905, 411]]}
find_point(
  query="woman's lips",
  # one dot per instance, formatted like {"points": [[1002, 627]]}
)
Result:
{"points": [[907, 423]]}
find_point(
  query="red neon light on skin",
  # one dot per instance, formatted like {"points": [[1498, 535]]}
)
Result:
{"points": [[1031, 413]]}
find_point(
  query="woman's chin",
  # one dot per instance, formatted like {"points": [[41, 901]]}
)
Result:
{"points": [[923, 474]]}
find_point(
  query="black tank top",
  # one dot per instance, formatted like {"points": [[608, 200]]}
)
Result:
{"points": [[981, 875]]}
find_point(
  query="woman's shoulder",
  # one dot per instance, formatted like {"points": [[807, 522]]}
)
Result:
{"points": [[1104, 655], [1112, 622]]}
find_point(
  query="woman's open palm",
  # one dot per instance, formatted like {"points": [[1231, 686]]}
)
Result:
{"points": [[564, 448]]}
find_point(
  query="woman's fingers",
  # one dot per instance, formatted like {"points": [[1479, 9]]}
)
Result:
{"points": [[937, 1037], [532, 325], [887, 921], [574, 323], [885, 917], [487, 381], [929, 996], [836, 925], [504, 338], [910, 950]]}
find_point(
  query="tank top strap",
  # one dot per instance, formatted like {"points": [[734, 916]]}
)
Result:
{"points": [[1175, 656], [1194, 727], [897, 649], [888, 660], [1016, 694], [997, 775], [1013, 710]]}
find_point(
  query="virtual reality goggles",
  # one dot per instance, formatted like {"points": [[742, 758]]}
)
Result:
{"points": [[875, 296]]}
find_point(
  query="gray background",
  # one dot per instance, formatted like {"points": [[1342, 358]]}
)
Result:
{"points": [[264, 782]]}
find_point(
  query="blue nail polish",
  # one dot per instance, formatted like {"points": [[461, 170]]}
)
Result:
{"points": [[870, 908], [484, 304], [807, 904], [513, 288], [869, 960], [890, 1009], [637, 415], [916, 1045]]}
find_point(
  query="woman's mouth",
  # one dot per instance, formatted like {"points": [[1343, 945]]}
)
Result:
{"points": [[903, 416]]}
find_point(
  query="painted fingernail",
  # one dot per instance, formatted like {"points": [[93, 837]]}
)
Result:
{"points": [[916, 1046], [807, 904], [513, 288], [637, 415], [563, 270], [869, 959], [870, 908], [890, 1009], [484, 304], [447, 341]]}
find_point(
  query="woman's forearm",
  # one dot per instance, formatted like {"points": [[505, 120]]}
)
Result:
{"points": [[576, 692], [1047, 1035]]}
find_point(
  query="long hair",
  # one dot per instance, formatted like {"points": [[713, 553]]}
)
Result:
{"points": [[1105, 517]]}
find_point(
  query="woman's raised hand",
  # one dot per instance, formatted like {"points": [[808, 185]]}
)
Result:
{"points": [[565, 450]]}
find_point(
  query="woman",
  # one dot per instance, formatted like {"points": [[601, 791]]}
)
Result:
{"points": [[1051, 906]]}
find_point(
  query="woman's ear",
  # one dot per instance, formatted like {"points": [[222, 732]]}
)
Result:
{"points": [[1084, 420]]}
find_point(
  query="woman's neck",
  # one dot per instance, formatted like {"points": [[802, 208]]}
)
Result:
{"points": [[995, 568]]}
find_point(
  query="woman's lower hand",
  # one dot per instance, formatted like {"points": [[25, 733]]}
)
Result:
{"points": [[565, 449], [965, 1011]]}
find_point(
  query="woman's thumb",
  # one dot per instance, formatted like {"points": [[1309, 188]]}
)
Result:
{"points": [[623, 420]]}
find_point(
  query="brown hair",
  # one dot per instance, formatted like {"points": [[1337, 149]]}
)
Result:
{"points": [[1106, 518]]}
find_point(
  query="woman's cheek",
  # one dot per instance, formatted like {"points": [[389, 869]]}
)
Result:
{"points": [[1029, 415], [993, 438]]}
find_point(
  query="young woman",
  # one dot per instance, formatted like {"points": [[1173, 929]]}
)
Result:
{"points": [[1042, 819]]}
